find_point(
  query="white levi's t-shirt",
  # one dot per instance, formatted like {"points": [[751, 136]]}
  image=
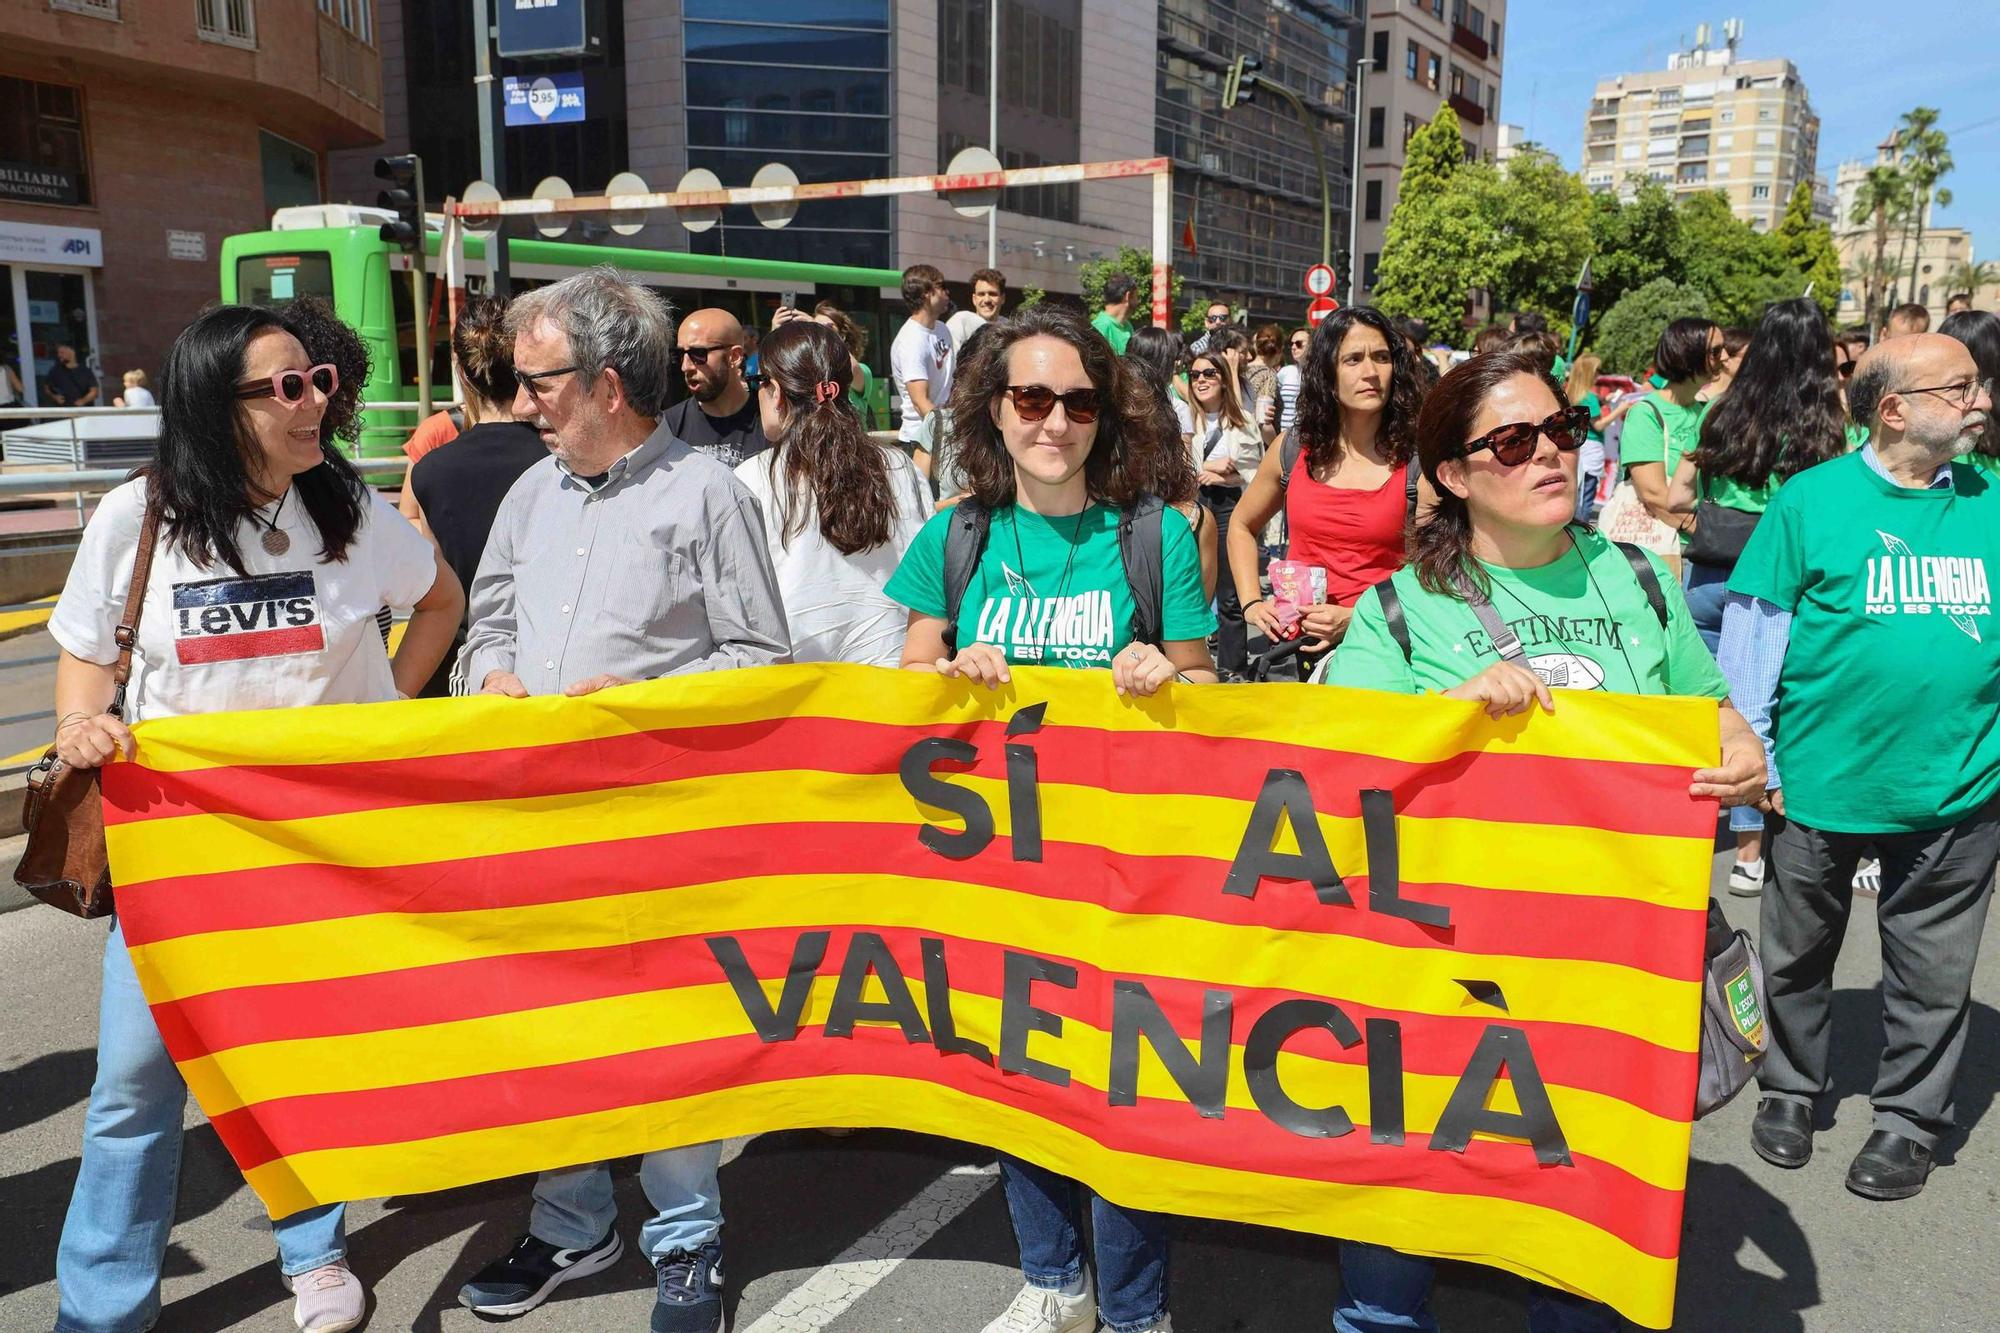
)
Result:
{"points": [[289, 630], [920, 354]]}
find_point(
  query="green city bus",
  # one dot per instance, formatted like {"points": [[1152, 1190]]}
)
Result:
{"points": [[335, 251]]}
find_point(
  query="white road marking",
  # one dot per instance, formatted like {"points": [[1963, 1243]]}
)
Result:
{"points": [[855, 1271]]}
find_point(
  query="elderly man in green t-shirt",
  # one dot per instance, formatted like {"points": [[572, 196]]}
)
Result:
{"points": [[1859, 641]]}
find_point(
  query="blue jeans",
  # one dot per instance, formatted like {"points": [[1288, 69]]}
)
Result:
{"points": [[574, 1208], [1386, 1291], [108, 1262], [1129, 1248], [1586, 496], [1707, 586]]}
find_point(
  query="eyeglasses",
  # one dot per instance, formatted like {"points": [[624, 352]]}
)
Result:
{"points": [[1209, 374], [1298, 343], [1213, 320], [1845, 368], [1959, 395], [1035, 401], [289, 386], [1514, 443], [698, 353], [531, 380]]}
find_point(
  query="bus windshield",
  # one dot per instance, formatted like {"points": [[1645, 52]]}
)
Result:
{"points": [[278, 280]]}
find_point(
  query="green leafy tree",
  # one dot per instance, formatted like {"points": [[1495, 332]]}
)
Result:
{"points": [[1538, 220], [1032, 296], [1808, 247], [1130, 259], [1633, 242], [1435, 249], [1736, 269], [1967, 276], [1924, 155], [1879, 201], [1627, 334]]}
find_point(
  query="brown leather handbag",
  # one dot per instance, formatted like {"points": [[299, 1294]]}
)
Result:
{"points": [[65, 863]]}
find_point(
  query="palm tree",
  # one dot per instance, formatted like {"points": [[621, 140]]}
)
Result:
{"points": [[1881, 198], [1924, 155], [1966, 276]]}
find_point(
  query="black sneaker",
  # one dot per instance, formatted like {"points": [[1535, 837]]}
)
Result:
{"points": [[689, 1296], [530, 1273]]}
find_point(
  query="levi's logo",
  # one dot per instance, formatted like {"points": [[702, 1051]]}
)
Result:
{"points": [[237, 619]]}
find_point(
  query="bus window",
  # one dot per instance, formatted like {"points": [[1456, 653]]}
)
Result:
{"points": [[443, 387], [273, 281]]}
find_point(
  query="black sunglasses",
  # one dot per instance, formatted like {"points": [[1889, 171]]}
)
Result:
{"points": [[531, 380], [1035, 401], [698, 353], [1210, 374], [1846, 368], [1514, 443]]}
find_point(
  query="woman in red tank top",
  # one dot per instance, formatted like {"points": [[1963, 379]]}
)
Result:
{"points": [[1341, 475]]}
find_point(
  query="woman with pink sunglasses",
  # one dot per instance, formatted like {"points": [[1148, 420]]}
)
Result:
{"points": [[270, 560]]}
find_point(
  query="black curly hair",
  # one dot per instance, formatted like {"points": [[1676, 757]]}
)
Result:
{"points": [[1318, 422]]}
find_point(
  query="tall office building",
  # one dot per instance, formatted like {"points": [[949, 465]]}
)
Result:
{"points": [[1711, 120], [1421, 54], [833, 89], [1247, 200]]}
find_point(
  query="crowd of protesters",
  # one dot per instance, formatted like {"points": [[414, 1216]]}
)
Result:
{"points": [[1829, 515]]}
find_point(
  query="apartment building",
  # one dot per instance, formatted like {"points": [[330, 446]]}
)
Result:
{"points": [[1421, 54], [1711, 120], [135, 135]]}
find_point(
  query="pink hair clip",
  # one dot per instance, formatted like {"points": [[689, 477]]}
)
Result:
{"points": [[827, 392]]}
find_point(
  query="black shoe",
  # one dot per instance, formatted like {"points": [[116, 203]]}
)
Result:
{"points": [[1782, 1133], [530, 1273], [1889, 1166], [689, 1296]]}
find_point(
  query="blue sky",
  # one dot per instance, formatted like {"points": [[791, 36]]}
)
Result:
{"points": [[1863, 64]]}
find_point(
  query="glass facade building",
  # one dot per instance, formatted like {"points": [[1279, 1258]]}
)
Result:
{"points": [[808, 85], [1247, 180]]}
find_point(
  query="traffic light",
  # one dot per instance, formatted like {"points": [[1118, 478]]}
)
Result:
{"points": [[405, 196], [1239, 85]]}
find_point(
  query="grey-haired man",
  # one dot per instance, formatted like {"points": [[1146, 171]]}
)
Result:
{"points": [[626, 556]]}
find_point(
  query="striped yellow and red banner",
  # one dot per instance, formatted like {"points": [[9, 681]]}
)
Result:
{"points": [[1343, 962]]}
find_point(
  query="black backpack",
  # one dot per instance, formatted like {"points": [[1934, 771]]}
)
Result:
{"points": [[1139, 537], [1288, 458], [1642, 569]]}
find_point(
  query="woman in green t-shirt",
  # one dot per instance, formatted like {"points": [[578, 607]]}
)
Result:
{"points": [[1499, 446], [1057, 437], [1663, 426], [1782, 415]]}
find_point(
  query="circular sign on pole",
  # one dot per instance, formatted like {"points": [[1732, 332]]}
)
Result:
{"points": [[1319, 280], [627, 221], [1321, 307], [783, 211], [698, 219], [480, 192], [553, 225], [972, 162]]}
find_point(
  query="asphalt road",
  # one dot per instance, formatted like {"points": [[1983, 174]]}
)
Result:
{"points": [[887, 1231]]}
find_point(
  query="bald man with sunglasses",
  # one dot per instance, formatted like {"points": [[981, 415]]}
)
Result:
{"points": [[719, 417]]}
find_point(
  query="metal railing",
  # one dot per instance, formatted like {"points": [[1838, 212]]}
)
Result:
{"points": [[82, 481]]}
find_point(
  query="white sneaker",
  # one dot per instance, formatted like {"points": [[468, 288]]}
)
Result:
{"points": [[1039, 1310], [1868, 878], [329, 1299], [1166, 1324], [1746, 878]]}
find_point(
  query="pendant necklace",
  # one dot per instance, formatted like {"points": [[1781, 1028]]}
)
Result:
{"points": [[273, 541]]}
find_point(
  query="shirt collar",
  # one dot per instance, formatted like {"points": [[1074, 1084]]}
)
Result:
{"points": [[1940, 481], [629, 465]]}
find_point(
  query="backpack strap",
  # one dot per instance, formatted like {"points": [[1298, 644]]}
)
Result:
{"points": [[1288, 458], [1505, 641], [964, 543], [1141, 534], [1411, 475], [1649, 580], [1392, 617]]}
